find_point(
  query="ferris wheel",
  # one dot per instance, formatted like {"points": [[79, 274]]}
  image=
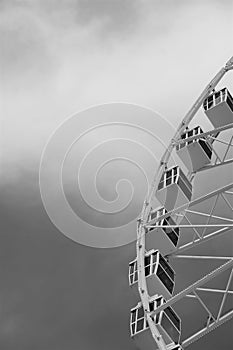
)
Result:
{"points": [[189, 205]]}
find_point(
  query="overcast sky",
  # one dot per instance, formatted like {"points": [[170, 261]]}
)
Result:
{"points": [[57, 58]]}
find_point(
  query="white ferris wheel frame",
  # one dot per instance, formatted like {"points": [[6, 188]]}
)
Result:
{"points": [[143, 223]]}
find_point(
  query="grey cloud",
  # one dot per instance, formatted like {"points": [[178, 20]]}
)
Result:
{"points": [[35, 36], [113, 15]]}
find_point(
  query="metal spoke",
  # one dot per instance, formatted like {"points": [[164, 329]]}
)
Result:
{"points": [[228, 148], [192, 203], [220, 141], [207, 215], [191, 288], [207, 329], [227, 202], [211, 132], [204, 305], [199, 241], [212, 290], [225, 295], [190, 226], [203, 257], [211, 166], [194, 229]]}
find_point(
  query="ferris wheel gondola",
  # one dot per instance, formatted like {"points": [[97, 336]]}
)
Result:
{"points": [[167, 321], [159, 274], [196, 153], [165, 238]]}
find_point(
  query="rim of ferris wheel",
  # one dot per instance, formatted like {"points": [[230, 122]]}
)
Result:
{"points": [[143, 220]]}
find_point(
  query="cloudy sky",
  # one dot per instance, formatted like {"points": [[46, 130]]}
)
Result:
{"points": [[57, 58]]}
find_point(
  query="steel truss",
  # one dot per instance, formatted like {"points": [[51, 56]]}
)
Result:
{"points": [[197, 238], [144, 223], [191, 291]]}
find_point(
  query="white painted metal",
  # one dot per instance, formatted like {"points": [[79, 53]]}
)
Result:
{"points": [[192, 203], [207, 329], [207, 133], [194, 286], [195, 225]]}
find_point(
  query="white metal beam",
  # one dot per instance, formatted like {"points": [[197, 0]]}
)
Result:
{"points": [[208, 215], [207, 329], [203, 257], [194, 286], [211, 166], [214, 290], [199, 241], [190, 226], [208, 133]]}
